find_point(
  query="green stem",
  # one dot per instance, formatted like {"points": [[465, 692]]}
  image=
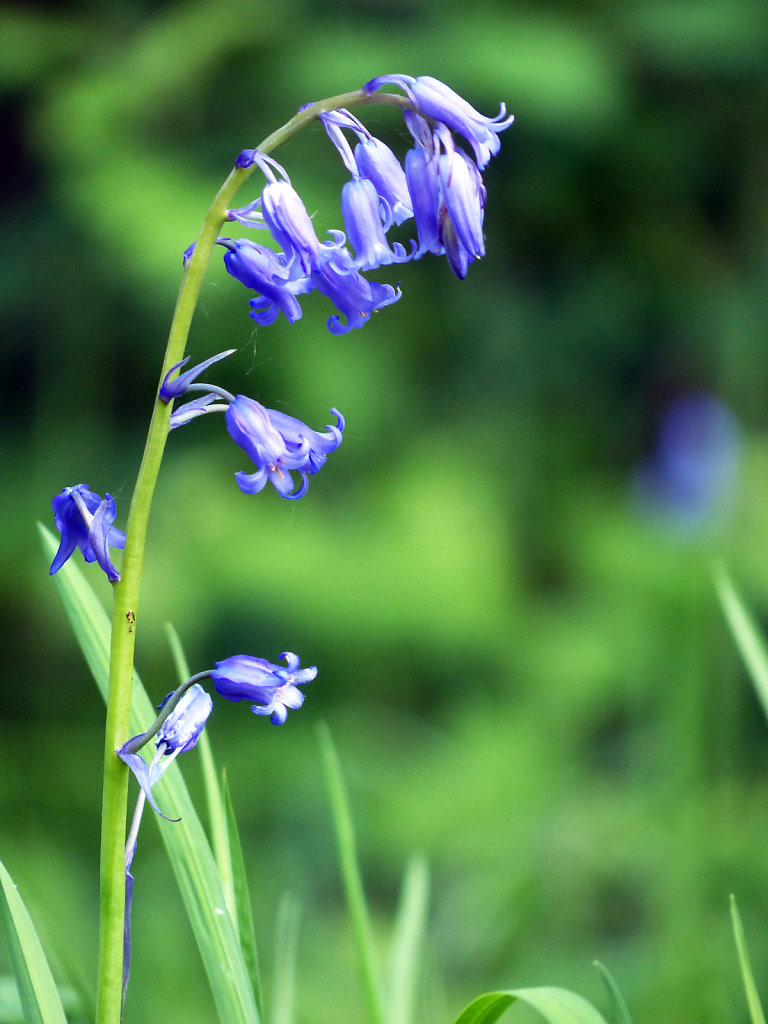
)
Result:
{"points": [[125, 613]]}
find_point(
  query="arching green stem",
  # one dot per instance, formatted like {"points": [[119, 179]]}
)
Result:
{"points": [[126, 619]]}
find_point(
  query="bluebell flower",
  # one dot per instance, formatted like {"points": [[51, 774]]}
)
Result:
{"points": [[84, 521], [273, 689], [360, 209], [372, 159], [290, 224], [422, 175], [352, 294], [448, 200], [376, 161], [463, 195], [272, 275], [179, 733], [440, 102], [278, 445]]}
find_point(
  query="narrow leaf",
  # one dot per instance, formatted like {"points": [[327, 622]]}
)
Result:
{"points": [[405, 955], [350, 871], [242, 897], [620, 1009], [556, 1006], [748, 637], [753, 999], [186, 843], [37, 989]]}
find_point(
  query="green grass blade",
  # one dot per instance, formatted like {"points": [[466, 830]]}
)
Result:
{"points": [[407, 943], [748, 637], [185, 841], [753, 999], [242, 898], [217, 816], [620, 1009], [350, 871], [556, 1006], [286, 941], [37, 990]]}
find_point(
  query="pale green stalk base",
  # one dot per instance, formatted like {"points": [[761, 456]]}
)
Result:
{"points": [[125, 614]]}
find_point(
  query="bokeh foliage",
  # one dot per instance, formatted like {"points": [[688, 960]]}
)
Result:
{"points": [[527, 678]]}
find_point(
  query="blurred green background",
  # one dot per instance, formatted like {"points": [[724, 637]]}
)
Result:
{"points": [[520, 653]]}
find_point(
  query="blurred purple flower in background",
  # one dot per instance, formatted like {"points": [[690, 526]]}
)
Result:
{"points": [[690, 478]]}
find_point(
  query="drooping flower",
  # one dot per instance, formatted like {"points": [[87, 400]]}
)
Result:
{"points": [[272, 275], [278, 445], [179, 733], [376, 161], [84, 521], [353, 295], [372, 159], [440, 102], [273, 689], [463, 195], [361, 211], [290, 224], [422, 175]]}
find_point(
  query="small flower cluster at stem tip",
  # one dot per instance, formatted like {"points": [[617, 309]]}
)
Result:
{"points": [[439, 187]]}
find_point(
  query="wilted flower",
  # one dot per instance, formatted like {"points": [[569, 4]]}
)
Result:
{"points": [[275, 689], [85, 520], [184, 726], [179, 732]]}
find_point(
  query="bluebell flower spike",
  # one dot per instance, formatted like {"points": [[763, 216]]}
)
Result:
{"points": [[84, 521], [272, 688]]}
